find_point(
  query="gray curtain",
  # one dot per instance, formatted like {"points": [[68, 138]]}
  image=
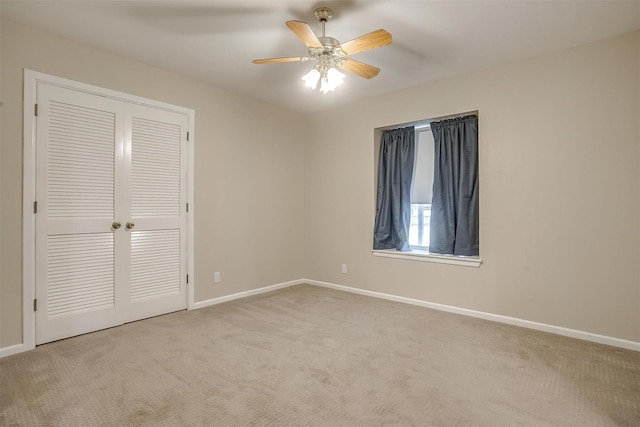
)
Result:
{"points": [[393, 206], [455, 221]]}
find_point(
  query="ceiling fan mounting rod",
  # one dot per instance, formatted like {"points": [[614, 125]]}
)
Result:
{"points": [[323, 14]]}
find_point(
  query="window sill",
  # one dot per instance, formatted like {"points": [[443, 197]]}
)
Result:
{"points": [[428, 257]]}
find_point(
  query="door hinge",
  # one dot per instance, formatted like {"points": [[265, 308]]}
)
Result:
{"points": [[35, 207], [187, 278], [187, 136], [35, 110], [35, 305], [187, 207]]}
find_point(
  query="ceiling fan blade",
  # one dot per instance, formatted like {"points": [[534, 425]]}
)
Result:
{"points": [[304, 33], [359, 68], [369, 41], [274, 60]]}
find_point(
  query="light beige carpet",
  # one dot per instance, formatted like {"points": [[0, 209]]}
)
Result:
{"points": [[309, 356]]}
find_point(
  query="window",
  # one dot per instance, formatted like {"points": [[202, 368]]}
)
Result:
{"points": [[419, 229], [437, 207], [421, 188]]}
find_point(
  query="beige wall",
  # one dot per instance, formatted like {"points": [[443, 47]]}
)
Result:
{"points": [[559, 144], [248, 170], [559, 173]]}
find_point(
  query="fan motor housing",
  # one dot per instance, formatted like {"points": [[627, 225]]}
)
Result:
{"points": [[329, 42], [330, 48]]}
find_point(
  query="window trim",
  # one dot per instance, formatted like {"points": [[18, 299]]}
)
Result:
{"points": [[425, 256]]}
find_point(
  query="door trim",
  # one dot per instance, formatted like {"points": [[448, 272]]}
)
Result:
{"points": [[31, 78]]}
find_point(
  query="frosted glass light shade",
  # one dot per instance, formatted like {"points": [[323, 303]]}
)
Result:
{"points": [[311, 78], [333, 79]]}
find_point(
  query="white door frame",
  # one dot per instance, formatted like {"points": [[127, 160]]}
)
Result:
{"points": [[31, 78]]}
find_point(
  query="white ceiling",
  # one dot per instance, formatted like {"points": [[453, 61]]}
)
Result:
{"points": [[216, 40]]}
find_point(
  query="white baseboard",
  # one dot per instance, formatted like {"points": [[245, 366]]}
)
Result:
{"points": [[558, 330], [244, 294], [12, 349], [19, 348]]}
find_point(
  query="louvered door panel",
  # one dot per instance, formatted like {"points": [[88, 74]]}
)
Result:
{"points": [[80, 162], [158, 209], [155, 263], [155, 168], [80, 272]]}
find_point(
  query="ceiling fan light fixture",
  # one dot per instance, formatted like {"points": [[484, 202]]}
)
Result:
{"points": [[331, 81], [311, 78], [330, 54]]}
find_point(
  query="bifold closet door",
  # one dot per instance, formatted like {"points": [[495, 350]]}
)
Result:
{"points": [[111, 212]]}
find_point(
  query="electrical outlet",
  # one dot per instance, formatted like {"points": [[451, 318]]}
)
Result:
{"points": [[344, 268], [216, 277]]}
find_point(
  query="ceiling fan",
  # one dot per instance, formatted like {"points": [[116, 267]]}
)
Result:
{"points": [[330, 54]]}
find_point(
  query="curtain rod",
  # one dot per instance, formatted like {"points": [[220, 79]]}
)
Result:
{"points": [[426, 123]]}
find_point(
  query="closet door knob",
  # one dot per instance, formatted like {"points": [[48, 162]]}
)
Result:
{"points": [[130, 225], [116, 225]]}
